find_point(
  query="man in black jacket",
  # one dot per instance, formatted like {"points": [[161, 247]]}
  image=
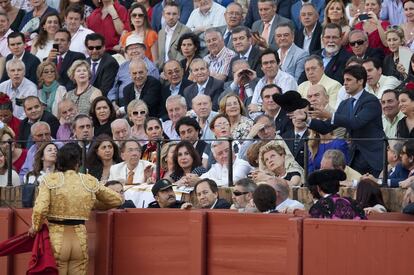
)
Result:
{"points": [[311, 30], [164, 195], [207, 195]]}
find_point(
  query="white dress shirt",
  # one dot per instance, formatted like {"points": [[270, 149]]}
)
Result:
{"points": [[213, 18], [77, 43], [25, 89], [219, 173]]}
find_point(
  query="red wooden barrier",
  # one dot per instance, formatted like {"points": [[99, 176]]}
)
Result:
{"points": [[6, 217], [253, 244], [20, 262], [159, 241], [392, 216], [357, 247]]}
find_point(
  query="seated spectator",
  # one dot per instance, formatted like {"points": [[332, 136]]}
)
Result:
{"points": [[234, 19], [4, 32], [84, 93], [331, 205], [167, 159], [4, 166], [6, 113], [208, 14], [18, 154], [176, 108], [121, 130], [319, 144], [410, 76], [233, 107], [164, 195], [369, 197], [275, 167], [242, 194], [406, 99], [103, 114], [335, 159], [358, 41], [132, 170], [391, 114], [186, 7], [75, 13], [35, 112], [29, 23], [189, 47], [134, 51], [335, 13], [283, 203], [102, 154], [14, 14], [119, 188], [188, 129], [140, 26], [82, 128], [153, 129], [207, 195], [264, 199], [220, 126], [109, 19], [203, 84], [407, 161], [392, 63], [219, 171], [309, 36], [137, 113], [18, 87], [187, 165], [50, 91], [202, 108], [296, 12], [66, 114], [16, 44], [144, 87], [44, 163], [408, 7], [43, 43]]}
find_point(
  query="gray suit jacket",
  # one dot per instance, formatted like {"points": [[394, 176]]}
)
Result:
{"points": [[213, 89], [258, 27], [294, 63], [173, 53]]}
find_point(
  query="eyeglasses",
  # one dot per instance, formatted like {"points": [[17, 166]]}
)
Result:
{"points": [[394, 27], [238, 193], [135, 113], [49, 72], [358, 42], [91, 48], [139, 15], [224, 124]]}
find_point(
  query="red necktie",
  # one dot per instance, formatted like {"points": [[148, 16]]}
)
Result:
{"points": [[242, 93], [59, 63]]}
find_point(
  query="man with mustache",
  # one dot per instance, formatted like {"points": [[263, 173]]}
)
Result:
{"points": [[333, 55], [164, 195]]}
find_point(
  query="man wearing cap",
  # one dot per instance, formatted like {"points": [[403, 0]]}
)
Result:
{"points": [[164, 195], [135, 50]]}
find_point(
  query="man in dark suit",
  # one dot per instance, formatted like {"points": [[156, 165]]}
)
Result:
{"points": [[266, 26], [16, 44], [204, 84], [295, 140], [283, 8], [186, 7], [144, 87], [174, 73], [358, 40], [242, 44], [309, 36], [103, 66], [64, 58], [295, 11], [208, 196], [189, 129], [361, 116], [334, 56]]}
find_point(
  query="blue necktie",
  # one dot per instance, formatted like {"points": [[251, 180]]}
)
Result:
{"points": [[351, 106], [94, 64], [227, 38]]}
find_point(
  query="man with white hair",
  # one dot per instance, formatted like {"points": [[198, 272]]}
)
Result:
{"points": [[202, 109], [208, 14], [219, 171], [176, 108], [67, 111], [121, 130], [144, 87], [18, 87]]}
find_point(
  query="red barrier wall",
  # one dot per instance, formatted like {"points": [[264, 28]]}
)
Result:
{"points": [[253, 244], [160, 241], [357, 247], [6, 218], [392, 216], [20, 262]]}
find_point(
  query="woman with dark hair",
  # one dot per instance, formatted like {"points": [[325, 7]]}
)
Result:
{"points": [[369, 197], [44, 162], [189, 47], [141, 27], [406, 124], [4, 165], [43, 43], [187, 164], [154, 131], [264, 199], [102, 154], [66, 211], [102, 113], [330, 205], [18, 154]]}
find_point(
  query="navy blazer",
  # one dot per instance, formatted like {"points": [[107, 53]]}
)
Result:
{"points": [[213, 89], [186, 7], [31, 62], [105, 75], [398, 174], [364, 122], [150, 94], [299, 154], [315, 44], [165, 93], [283, 9]]}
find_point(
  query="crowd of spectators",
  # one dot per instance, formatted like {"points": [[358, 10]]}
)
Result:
{"points": [[121, 78]]}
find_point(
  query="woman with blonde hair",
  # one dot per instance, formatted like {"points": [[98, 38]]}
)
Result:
{"points": [[50, 91], [392, 65], [335, 13], [84, 93], [137, 113]]}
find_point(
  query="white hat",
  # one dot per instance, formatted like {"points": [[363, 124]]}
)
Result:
{"points": [[134, 39]]}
